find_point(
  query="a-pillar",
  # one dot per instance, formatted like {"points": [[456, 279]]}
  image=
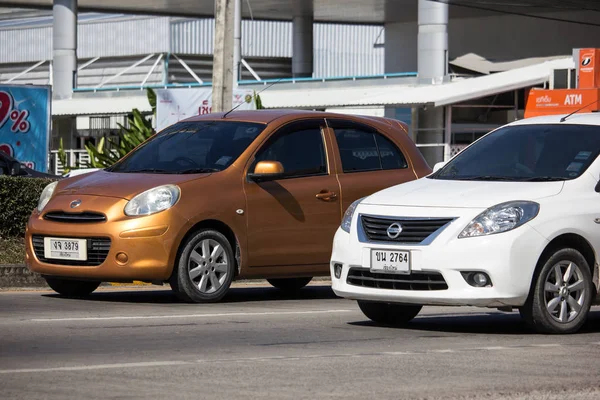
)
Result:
{"points": [[302, 38], [64, 52], [432, 68]]}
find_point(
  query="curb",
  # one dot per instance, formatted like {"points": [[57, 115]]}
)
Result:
{"points": [[19, 276]]}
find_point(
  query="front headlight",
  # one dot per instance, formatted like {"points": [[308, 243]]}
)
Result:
{"points": [[347, 220], [152, 201], [46, 195], [501, 218]]}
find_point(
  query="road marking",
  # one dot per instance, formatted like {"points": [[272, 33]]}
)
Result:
{"points": [[238, 314], [95, 367], [151, 364]]}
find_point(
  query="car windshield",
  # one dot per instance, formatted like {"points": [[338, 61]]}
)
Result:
{"points": [[191, 147], [544, 152]]}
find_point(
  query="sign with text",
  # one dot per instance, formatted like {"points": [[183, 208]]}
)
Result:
{"points": [[561, 101], [174, 105], [589, 68], [25, 124]]}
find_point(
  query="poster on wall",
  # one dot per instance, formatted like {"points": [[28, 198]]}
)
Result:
{"points": [[25, 124], [174, 105]]}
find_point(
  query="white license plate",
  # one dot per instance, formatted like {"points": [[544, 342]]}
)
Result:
{"points": [[65, 249], [390, 261]]}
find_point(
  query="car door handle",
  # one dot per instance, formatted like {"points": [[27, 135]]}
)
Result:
{"points": [[326, 196]]}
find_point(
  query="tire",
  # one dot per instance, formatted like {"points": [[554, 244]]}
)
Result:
{"points": [[543, 311], [72, 288], [290, 284], [389, 313], [205, 268]]}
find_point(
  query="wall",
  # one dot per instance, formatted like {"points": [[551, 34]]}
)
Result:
{"points": [[514, 37], [499, 37], [401, 47]]}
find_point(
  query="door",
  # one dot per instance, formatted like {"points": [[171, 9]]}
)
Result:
{"points": [[370, 160], [292, 219]]}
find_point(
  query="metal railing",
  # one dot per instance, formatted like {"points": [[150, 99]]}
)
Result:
{"points": [[75, 159]]}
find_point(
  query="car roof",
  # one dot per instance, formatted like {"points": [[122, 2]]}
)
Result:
{"points": [[268, 116], [588, 118]]}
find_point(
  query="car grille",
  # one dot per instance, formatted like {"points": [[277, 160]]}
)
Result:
{"points": [[84, 217], [97, 251], [413, 281], [414, 230]]}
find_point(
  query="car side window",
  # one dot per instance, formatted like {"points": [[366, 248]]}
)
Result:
{"points": [[391, 156], [365, 150], [299, 148]]}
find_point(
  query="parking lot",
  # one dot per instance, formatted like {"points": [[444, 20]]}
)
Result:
{"points": [[126, 342]]}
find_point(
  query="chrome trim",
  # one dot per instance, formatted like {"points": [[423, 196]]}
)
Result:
{"points": [[362, 237]]}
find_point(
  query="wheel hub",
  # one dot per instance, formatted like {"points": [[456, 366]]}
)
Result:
{"points": [[564, 292]]}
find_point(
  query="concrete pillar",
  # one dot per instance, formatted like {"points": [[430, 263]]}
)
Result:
{"points": [[237, 43], [401, 56], [64, 52], [432, 53], [432, 60], [302, 39], [222, 83]]}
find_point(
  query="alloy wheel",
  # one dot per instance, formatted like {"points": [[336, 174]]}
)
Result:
{"points": [[208, 266], [565, 291]]}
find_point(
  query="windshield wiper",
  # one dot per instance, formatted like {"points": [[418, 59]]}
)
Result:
{"points": [[153, 170], [544, 179], [198, 170], [487, 178]]}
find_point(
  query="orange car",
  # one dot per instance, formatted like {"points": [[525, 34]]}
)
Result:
{"points": [[249, 194]]}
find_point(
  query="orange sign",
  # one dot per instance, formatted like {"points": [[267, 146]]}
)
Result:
{"points": [[561, 101], [589, 68]]}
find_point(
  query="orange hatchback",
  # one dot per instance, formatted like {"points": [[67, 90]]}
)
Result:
{"points": [[249, 194]]}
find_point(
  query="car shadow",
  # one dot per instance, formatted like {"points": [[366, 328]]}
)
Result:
{"points": [[492, 323], [235, 295]]}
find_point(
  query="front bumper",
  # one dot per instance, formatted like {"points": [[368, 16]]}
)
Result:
{"points": [[508, 258], [148, 241]]}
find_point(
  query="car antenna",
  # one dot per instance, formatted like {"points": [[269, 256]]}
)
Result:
{"points": [[234, 108], [563, 119]]}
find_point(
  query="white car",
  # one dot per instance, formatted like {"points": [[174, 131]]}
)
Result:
{"points": [[511, 222]]}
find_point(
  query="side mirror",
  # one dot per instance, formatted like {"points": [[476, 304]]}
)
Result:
{"points": [[266, 170], [15, 169], [438, 166]]}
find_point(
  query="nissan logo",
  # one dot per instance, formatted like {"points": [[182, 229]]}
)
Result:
{"points": [[75, 203], [394, 230]]}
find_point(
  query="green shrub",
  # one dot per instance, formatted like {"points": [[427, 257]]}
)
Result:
{"points": [[12, 251], [18, 198]]}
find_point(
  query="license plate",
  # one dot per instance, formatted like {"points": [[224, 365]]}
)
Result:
{"points": [[390, 261], [65, 249]]}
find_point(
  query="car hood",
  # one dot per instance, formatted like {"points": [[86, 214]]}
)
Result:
{"points": [[427, 192], [120, 185]]}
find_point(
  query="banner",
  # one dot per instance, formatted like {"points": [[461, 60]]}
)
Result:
{"points": [[174, 105], [25, 124]]}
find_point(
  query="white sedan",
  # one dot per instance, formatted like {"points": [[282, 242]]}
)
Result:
{"points": [[511, 222]]}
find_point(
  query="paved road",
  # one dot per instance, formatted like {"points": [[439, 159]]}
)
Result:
{"points": [[260, 343]]}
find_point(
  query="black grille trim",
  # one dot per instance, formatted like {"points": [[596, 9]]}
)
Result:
{"points": [[97, 251], [414, 230], [423, 281], [83, 217]]}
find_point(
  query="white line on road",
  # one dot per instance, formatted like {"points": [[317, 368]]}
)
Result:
{"points": [[97, 366], [237, 314], [151, 364]]}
